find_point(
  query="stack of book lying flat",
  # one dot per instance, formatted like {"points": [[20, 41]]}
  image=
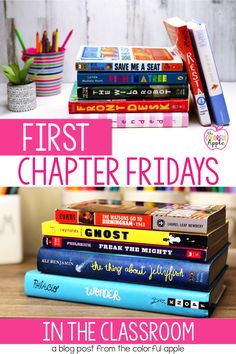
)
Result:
{"points": [[132, 86], [148, 86], [157, 257]]}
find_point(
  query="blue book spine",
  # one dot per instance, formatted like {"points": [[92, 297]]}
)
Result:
{"points": [[128, 78], [106, 293], [219, 109], [131, 269]]}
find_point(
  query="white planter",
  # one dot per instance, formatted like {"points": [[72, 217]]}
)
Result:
{"points": [[21, 98]]}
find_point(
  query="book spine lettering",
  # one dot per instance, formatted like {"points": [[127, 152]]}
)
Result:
{"points": [[143, 120], [199, 255], [194, 78], [107, 219], [129, 106], [106, 293], [151, 120], [129, 78], [67, 216], [128, 66], [132, 92], [131, 269], [181, 38], [179, 224], [154, 237]]}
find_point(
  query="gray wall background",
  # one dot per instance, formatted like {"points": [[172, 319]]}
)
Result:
{"points": [[117, 22]]}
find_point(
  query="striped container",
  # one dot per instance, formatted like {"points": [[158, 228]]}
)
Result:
{"points": [[49, 79]]}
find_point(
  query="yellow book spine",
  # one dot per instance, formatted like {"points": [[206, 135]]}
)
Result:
{"points": [[53, 228]]}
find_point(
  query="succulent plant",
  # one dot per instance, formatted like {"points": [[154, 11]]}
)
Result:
{"points": [[15, 74]]}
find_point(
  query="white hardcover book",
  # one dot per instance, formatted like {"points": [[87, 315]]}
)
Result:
{"points": [[206, 61]]}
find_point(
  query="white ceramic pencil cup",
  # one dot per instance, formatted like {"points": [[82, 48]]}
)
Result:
{"points": [[11, 249]]}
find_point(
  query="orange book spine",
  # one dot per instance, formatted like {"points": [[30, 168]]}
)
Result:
{"points": [[180, 37]]}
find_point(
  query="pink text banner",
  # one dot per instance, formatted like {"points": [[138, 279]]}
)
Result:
{"points": [[55, 137], [117, 331]]}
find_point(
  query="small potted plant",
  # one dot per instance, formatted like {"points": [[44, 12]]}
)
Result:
{"points": [[21, 93]]}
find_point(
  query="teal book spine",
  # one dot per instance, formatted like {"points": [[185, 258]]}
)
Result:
{"points": [[117, 294]]}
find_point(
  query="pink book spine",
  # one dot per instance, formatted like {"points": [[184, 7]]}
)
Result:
{"points": [[142, 120]]}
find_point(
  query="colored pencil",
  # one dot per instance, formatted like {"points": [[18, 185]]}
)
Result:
{"points": [[37, 43], [53, 42], [56, 41], [20, 39], [47, 45], [44, 41], [67, 39], [3, 190], [40, 47]]}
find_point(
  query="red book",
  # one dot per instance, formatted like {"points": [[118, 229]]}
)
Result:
{"points": [[129, 106], [179, 36], [102, 213]]}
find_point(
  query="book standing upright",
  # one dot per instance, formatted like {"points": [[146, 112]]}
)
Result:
{"points": [[179, 36]]}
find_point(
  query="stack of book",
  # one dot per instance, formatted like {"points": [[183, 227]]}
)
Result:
{"points": [[132, 86], [157, 257], [147, 86]]}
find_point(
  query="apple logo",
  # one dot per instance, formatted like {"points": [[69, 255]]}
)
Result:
{"points": [[216, 137]]}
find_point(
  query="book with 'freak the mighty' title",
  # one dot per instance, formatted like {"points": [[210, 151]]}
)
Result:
{"points": [[132, 269], [137, 249], [135, 236]]}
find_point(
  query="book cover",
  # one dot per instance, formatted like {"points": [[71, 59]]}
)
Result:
{"points": [[106, 293], [179, 36], [137, 249], [127, 58], [132, 269], [144, 215], [154, 237], [131, 78], [132, 92], [204, 54]]}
